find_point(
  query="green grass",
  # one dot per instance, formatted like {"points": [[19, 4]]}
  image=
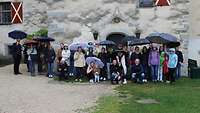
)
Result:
{"points": [[182, 97]]}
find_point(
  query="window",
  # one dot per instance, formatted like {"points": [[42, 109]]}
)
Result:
{"points": [[146, 3], [5, 13]]}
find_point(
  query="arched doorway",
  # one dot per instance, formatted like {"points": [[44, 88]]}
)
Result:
{"points": [[116, 37]]}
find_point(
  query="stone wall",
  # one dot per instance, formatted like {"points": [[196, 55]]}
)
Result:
{"points": [[75, 19]]}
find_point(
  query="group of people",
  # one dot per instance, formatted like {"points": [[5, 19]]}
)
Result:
{"points": [[152, 63]]}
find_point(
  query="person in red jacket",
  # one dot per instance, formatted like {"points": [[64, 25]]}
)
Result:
{"points": [[165, 68]]}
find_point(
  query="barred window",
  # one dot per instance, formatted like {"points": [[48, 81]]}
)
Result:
{"points": [[5, 13]]}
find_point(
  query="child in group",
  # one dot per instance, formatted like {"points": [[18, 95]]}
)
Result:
{"points": [[160, 72], [165, 68], [93, 72]]}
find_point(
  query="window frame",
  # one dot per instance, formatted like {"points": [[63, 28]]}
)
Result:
{"points": [[5, 11]]}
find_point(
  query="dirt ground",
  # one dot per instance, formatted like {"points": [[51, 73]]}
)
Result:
{"points": [[26, 94]]}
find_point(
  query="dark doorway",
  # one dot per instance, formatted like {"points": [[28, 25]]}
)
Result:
{"points": [[116, 37]]}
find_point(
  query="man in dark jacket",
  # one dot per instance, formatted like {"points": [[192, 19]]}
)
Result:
{"points": [[115, 72], [137, 72], [17, 55], [180, 61]]}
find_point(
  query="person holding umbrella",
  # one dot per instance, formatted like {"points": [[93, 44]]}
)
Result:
{"points": [[17, 48], [79, 64], [17, 55], [93, 72]]}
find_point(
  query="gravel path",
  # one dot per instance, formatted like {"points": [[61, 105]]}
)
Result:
{"points": [[25, 94]]}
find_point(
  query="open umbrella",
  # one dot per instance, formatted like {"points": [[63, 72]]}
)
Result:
{"points": [[97, 61], [74, 46], [107, 42], [29, 42], [139, 42], [173, 44], [17, 34], [128, 39], [161, 38], [44, 39]]}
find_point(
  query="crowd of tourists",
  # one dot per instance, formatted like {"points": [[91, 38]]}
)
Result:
{"points": [[155, 63]]}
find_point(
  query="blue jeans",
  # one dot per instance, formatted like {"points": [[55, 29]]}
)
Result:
{"points": [[154, 72], [32, 67], [108, 71], [138, 77], [178, 71], [50, 68], [78, 72]]}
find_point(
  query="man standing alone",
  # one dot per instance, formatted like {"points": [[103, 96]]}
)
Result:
{"points": [[17, 55]]}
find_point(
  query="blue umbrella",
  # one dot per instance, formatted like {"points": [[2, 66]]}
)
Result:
{"points": [[44, 39], [97, 61], [74, 46], [161, 38], [107, 42], [16, 34]]}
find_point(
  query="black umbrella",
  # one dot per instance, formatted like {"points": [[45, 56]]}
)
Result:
{"points": [[44, 39], [107, 42], [128, 39], [173, 44], [139, 42], [16, 34], [161, 38]]}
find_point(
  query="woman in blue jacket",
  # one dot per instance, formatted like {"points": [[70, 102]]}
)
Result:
{"points": [[172, 64]]}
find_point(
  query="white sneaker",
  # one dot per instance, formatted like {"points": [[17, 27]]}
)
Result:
{"points": [[80, 80], [125, 81], [76, 80], [104, 79], [91, 81]]}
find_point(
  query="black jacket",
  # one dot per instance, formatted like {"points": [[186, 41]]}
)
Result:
{"points": [[135, 56], [51, 55], [17, 50], [103, 57], [115, 69], [138, 69], [180, 56], [144, 58]]}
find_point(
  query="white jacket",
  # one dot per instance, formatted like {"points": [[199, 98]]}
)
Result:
{"points": [[123, 63], [66, 56]]}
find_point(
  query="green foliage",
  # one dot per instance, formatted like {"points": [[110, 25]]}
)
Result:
{"points": [[41, 32], [183, 97]]}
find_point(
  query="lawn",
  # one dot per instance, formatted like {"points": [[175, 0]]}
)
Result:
{"points": [[182, 97]]}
